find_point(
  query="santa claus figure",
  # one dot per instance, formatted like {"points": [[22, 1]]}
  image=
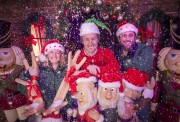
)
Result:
{"points": [[167, 91], [134, 82], [11, 100], [86, 95], [108, 95]]}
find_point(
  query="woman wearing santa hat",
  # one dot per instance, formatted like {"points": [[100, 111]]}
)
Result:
{"points": [[51, 71]]}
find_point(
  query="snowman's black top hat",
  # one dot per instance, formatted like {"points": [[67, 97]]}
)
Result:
{"points": [[5, 32]]}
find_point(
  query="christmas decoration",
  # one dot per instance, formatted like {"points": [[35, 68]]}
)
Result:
{"points": [[134, 82], [39, 20], [12, 102], [99, 2], [104, 11], [88, 9], [166, 101], [83, 82], [108, 89], [163, 19], [27, 39], [120, 17], [144, 34]]}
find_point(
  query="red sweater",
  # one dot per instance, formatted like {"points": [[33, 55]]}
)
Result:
{"points": [[85, 117], [103, 58]]}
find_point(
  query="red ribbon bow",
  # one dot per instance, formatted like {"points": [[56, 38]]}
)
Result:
{"points": [[145, 33], [29, 40], [31, 86]]}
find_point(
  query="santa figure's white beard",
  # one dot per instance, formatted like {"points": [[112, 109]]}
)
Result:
{"points": [[91, 103], [104, 104]]}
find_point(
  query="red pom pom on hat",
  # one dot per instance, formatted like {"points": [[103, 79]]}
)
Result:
{"points": [[135, 79]]}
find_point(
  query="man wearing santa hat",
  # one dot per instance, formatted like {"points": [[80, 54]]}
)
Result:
{"points": [[83, 88], [108, 90], [98, 59], [134, 82], [131, 53]]}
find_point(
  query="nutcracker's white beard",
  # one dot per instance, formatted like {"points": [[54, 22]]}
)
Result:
{"points": [[91, 103], [104, 104]]}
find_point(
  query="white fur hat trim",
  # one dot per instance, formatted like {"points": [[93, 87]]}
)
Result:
{"points": [[108, 84], [52, 46], [129, 85], [90, 79], [87, 28], [125, 28]]}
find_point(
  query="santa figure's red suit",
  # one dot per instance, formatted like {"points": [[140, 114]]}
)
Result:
{"points": [[85, 117]]}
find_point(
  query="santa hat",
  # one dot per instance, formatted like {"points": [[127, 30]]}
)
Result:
{"points": [[50, 45], [19, 55], [135, 79], [110, 80], [82, 77], [5, 33], [125, 27], [91, 26], [87, 28]]}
